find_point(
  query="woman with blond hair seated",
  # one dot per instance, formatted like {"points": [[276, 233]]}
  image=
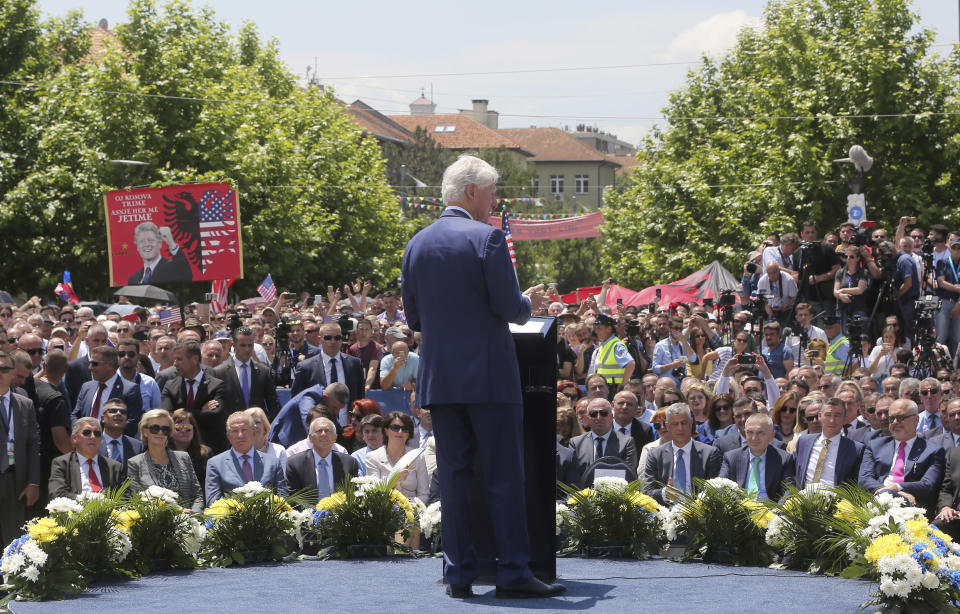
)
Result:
{"points": [[160, 465]]}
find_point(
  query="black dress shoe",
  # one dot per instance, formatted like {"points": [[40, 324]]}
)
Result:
{"points": [[460, 591], [530, 589]]}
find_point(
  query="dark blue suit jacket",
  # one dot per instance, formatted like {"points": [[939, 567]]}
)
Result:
{"points": [[467, 354], [123, 390], [131, 447], [777, 468], [849, 457], [288, 427], [310, 372], [922, 470]]}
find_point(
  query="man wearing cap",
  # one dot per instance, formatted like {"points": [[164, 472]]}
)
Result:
{"points": [[837, 346], [611, 359], [948, 289]]}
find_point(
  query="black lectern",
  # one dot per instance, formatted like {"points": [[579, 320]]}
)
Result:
{"points": [[536, 346]]}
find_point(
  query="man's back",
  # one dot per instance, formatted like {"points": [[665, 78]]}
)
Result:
{"points": [[458, 284]]}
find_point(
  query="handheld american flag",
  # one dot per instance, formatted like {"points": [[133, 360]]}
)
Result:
{"points": [[267, 289], [219, 289], [506, 230], [169, 316]]}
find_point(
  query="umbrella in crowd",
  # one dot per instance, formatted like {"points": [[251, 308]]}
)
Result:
{"points": [[148, 292]]}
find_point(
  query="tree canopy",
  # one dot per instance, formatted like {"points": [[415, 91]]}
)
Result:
{"points": [[174, 87], [750, 138]]}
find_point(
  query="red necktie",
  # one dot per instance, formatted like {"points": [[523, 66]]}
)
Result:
{"points": [[95, 485], [189, 394], [95, 409]]}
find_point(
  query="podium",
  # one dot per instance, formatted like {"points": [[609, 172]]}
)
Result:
{"points": [[536, 347]]}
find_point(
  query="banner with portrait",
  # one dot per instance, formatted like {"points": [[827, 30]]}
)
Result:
{"points": [[173, 234]]}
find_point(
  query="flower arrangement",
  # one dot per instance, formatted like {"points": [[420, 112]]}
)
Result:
{"points": [[722, 524], [161, 533], [800, 532], [363, 512], [613, 517], [916, 566], [61, 551], [250, 525], [430, 522]]}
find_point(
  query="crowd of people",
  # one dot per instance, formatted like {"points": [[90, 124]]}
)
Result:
{"points": [[820, 368]]}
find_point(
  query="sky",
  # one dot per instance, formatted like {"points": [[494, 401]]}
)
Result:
{"points": [[559, 63]]}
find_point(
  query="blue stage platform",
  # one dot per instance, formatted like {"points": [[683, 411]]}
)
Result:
{"points": [[405, 586]]}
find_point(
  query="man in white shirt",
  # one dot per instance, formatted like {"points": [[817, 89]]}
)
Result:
{"points": [[827, 457]]}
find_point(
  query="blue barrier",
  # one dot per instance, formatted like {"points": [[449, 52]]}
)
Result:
{"points": [[391, 400]]}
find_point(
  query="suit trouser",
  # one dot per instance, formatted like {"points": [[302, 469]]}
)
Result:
{"points": [[495, 432], [11, 509]]}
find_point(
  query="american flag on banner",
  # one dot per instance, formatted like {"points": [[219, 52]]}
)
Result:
{"points": [[267, 289], [506, 230], [219, 289], [170, 316], [218, 217]]}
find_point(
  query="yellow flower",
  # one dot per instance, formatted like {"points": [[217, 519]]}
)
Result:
{"points": [[917, 529], [223, 507], [884, 546], [333, 501], [45, 530], [639, 499], [125, 519], [397, 497], [792, 504], [846, 511], [279, 504], [759, 513]]}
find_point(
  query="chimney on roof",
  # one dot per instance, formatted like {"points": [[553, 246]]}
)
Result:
{"points": [[480, 113]]}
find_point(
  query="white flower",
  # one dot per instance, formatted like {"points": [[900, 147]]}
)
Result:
{"points": [[775, 535], [250, 489], [158, 492], [34, 552], [13, 563], [930, 580], [819, 488], [670, 518], [364, 483], [609, 483], [31, 573], [83, 497], [65, 505], [723, 483], [119, 544], [192, 533], [430, 520], [950, 562]]}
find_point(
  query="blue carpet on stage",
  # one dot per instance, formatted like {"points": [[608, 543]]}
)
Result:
{"points": [[401, 586]]}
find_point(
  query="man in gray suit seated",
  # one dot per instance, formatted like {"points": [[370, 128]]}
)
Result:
{"points": [[241, 463], [602, 440], [672, 467]]}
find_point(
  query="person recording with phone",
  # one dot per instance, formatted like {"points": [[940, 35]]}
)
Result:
{"points": [[671, 354]]}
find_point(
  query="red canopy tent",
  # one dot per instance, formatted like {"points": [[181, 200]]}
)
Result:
{"points": [[708, 282]]}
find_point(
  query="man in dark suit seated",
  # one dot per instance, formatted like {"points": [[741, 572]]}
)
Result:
{"points": [[246, 383], [107, 384], [156, 269], [905, 464], [672, 467], [242, 463], [735, 438], [321, 468], [759, 467], [114, 444], [602, 441], [626, 413], [566, 470], [84, 469], [199, 393], [948, 502], [330, 365], [828, 457]]}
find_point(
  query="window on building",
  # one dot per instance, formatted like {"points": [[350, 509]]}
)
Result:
{"points": [[445, 128], [556, 184], [581, 184]]}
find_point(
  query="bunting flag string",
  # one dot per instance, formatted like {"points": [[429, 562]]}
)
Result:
{"points": [[430, 203]]}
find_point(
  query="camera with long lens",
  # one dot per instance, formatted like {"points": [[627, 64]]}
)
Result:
{"points": [[725, 302], [233, 322], [283, 335], [855, 329], [633, 328], [927, 306], [863, 237]]}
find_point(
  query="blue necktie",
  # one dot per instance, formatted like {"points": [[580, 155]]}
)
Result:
{"points": [[680, 473], [115, 451], [245, 384], [323, 482], [146, 275]]}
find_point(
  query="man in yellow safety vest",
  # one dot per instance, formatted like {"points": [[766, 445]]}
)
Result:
{"points": [[611, 358]]}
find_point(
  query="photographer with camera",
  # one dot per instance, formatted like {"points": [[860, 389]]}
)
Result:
{"points": [[775, 352], [948, 289], [742, 358], [670, 354], [781, 288], [907, 284], [818, 265], [292, 347]]}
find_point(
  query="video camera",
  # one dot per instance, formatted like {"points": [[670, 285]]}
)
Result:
{"points": [[725, 304], [927, 306], [283, 335]]}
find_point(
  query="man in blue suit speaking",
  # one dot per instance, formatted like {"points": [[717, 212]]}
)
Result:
{"points": [[461, 291]]}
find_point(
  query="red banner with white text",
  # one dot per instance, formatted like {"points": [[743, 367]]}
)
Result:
{"points": [[173, 234], [580, 227]]}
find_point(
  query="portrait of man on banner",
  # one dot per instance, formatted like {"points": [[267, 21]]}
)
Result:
{"points": [[173, 234]]}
